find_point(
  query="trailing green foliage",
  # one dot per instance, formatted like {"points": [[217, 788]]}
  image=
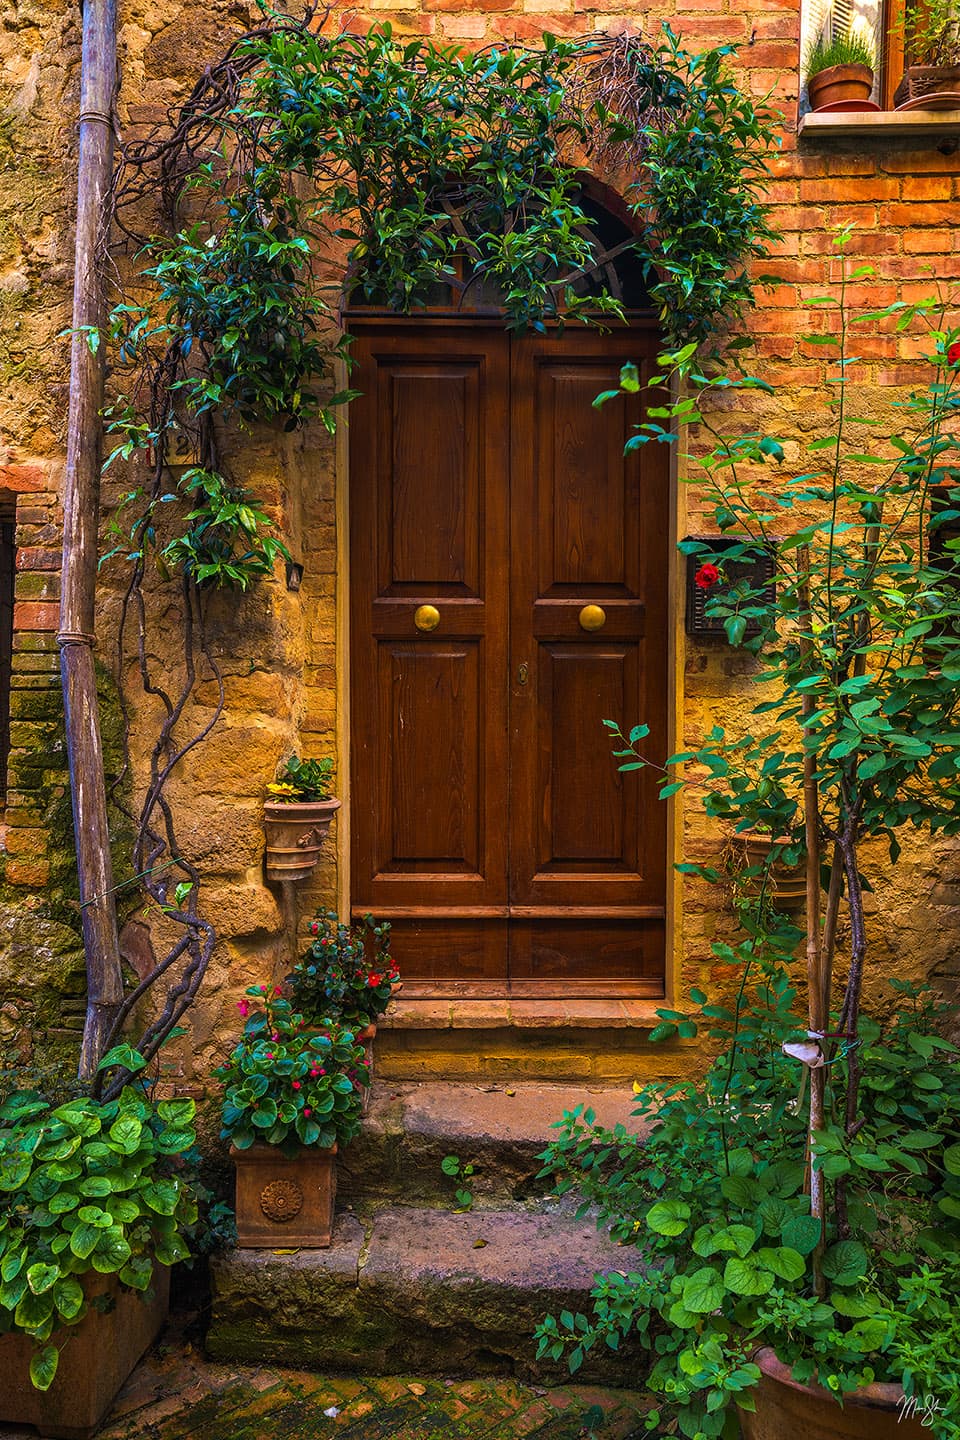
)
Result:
{"points": [[397, 173], [288, 1083], [87, 1188], [712, 1197]]}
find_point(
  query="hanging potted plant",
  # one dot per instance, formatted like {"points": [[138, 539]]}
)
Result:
{"points": [[93, 1214], [297, 816], [839, 71], [292, 1096], [348, 975], [931, 45]]}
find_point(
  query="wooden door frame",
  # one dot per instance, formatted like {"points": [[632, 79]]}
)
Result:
{"points": [[676, 646]]}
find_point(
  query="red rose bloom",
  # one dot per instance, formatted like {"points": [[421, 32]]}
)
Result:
{"points": [[953, 354], [706, 576]]}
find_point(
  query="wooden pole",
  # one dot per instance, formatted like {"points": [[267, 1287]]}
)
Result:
{"points": [[817, 1001], [81, 507]]}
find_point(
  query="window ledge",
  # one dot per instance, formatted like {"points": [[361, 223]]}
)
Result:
{"points": [[885, 124]]}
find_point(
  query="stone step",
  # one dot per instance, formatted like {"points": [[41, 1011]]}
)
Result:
{"points": [[414, 1290], [500, 1130]]}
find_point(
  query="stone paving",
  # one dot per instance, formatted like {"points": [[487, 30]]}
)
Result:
{"points": [[175, 1394]]}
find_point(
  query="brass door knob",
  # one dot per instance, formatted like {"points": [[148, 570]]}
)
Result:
{"points": [[592, 617], [426, 617]]}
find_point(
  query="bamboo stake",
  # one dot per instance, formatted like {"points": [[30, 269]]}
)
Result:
{"points": [[817, 1001], [81, 506]]}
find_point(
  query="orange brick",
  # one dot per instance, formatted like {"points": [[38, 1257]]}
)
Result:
{"points": [[916, 214], [849, 190], [33, 557], [36, 615], [928, 187], [23, 478], [928, 242]]}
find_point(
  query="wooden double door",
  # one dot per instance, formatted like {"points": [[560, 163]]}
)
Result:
{"points": [[508, 579]]}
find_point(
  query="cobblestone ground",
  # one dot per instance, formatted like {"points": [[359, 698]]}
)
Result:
{"points": [[176, 1395]]}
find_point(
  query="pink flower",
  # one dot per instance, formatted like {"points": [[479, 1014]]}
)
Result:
{"points": [[278, 989], [307, 1110], [275, 1035], [244, 1008], [269, 1054], [296, 1084]]}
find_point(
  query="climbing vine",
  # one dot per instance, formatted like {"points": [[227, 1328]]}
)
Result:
{"points": [[308, 165]]}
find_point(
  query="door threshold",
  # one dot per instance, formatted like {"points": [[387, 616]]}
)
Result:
{"points": [[433, 1013]]}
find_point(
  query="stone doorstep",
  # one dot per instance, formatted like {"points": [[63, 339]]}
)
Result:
{"points": [[466, 1013], [416, 1290], [500, 1129]]}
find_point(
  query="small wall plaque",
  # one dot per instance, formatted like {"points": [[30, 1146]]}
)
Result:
{"points": [[760, 572]]}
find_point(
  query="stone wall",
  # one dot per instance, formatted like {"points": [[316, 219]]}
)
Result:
{"points": [[278, 650]]}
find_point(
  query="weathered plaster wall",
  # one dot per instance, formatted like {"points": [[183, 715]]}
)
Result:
{"points": [[277, 650]]}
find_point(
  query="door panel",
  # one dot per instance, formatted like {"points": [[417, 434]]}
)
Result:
{"points": [[583, 836], [490, 823], [428, 503]]}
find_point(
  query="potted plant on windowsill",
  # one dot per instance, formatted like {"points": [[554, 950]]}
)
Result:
{"points": [[296, 817], [840, 71], [348, 975], [93, 1215], [931, 43], [292, 1096]]}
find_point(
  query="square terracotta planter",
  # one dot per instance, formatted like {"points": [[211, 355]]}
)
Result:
{"points": [[96, 1357], [283, 1200]]}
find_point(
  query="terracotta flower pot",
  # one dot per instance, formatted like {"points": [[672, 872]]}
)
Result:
{"points": [[295, 832], [785, 1407], [786, 885], [282, 1200], [840, 82], [96, 1358], [928, 87]]}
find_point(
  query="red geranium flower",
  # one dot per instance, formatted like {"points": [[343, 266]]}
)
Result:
{"points": [[706, 576], [244, 1008], [374, 980], [953, 354]]}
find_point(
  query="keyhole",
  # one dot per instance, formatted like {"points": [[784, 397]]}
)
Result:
{"points": [[523, 674]]}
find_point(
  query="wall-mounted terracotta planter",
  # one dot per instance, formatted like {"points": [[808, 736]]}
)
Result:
{"points": [[786, 885], [840, 83], [285, 1200], [295, 832], [785, 1407], [96, 1357]]}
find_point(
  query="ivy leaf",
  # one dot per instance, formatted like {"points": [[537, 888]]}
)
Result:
{"points": [[747, 1276], [668, 1217], [43, 1367], [845, 1262], [702, 1291], [68, 1296], [42, 1277]]}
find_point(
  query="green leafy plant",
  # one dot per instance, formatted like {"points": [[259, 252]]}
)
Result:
{"points": [[290, 1084], [299, 780], [88, 1187], [854, 739], [347, 972], [931, 33], [461, 1172], [851, 48], [712, 1195]]}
